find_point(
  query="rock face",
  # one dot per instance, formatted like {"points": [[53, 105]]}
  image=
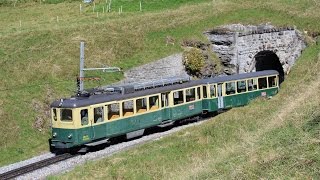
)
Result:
{"points": [[239, 47], [170, 66]]}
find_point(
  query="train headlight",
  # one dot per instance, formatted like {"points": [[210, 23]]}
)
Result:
{"points": [[70, 136], [54, 134]]}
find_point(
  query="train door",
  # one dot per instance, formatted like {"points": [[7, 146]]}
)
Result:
{"points": [[96, 115], [85, 132], [220, 97], [165, 105]]}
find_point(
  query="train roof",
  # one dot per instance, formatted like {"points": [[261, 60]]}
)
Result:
{"points": [[75, 102]]}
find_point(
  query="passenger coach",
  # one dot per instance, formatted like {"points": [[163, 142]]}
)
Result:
{"points": [[92, 120]]}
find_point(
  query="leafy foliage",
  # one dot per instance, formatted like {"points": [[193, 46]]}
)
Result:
{"points": [[193, 60]]}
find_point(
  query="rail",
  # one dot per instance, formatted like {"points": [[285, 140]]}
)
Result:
{"points": [[34, 166]]}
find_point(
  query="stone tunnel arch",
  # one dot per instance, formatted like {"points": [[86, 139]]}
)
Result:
{"points": [[268, 60]]}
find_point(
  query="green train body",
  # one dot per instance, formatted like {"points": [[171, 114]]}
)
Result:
{"points": [[85, 121]]}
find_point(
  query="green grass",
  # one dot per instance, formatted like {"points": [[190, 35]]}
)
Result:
{"points": [[39, 63], [276, 138]]}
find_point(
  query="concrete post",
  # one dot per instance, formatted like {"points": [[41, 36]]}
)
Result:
{"points": [[81, 65]]}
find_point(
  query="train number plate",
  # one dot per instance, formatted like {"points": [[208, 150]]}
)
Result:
{"points": [[191, 107]]}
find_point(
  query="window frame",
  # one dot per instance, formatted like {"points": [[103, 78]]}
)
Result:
{"points": [[275, 81], [108, 117], [80, 110], [146, 102], [194, 97], [225, 88], [60, 115], [266, 78], [103, 113], [198, 93], [254, 83], [157, 101], [129, 112], [183, 97], [204, 91], [54, 114], [245, 87], [215, 91]]}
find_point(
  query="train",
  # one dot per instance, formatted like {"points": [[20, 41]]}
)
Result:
{"points": [[83, 121]]}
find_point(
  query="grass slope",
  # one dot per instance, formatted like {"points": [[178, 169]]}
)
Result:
{"points": [[277, 138], [39, 62]]}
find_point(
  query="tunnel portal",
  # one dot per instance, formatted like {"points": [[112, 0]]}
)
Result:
{"points": [[268, 60]]}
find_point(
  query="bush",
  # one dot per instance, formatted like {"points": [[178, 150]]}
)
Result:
{"points": [[193, 61]]}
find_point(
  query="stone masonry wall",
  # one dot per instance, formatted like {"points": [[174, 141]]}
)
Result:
{"points": [[237, 45], [170, 66]]}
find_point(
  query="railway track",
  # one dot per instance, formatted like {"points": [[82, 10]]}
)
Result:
{"points": [[34, 166], [46, 162]]}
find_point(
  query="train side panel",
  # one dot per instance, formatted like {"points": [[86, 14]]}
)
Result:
{"points": [[210, 105], [244, 98], [186, 110]]}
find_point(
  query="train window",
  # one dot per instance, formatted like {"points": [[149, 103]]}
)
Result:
{"points": [[272, 81], [84, 117], [198, 93], [230, 88], [127, 108], [178, 97], [164, 100], [212, 90], [54, 114], [190, 95], [141, 105], [66, 115], [98, 114], [262, 82], [113, 111], [204, 89], [252, 84], [241, 86], [154, 102]]}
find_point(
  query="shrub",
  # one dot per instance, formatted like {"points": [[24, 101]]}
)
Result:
{"points": [[193, 61]]}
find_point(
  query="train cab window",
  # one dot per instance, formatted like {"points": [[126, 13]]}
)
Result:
{"points": [[262, 82], [230, 88], [54, 114], [198, 93], [98, 114], [66, 115], [154, 102], [272, 81], [241, 86], [204, 89], [178, 97], [84, 117], [127, 108], [212, 90], [141, 105], [113, 111], [164, 99], [190, 95]]}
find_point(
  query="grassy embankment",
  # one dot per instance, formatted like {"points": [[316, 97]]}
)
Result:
{"points": [[277, 138], [39, 59], [44, 53]]}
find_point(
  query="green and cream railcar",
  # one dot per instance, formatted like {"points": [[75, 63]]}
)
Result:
{"points": [[92, 120]]}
